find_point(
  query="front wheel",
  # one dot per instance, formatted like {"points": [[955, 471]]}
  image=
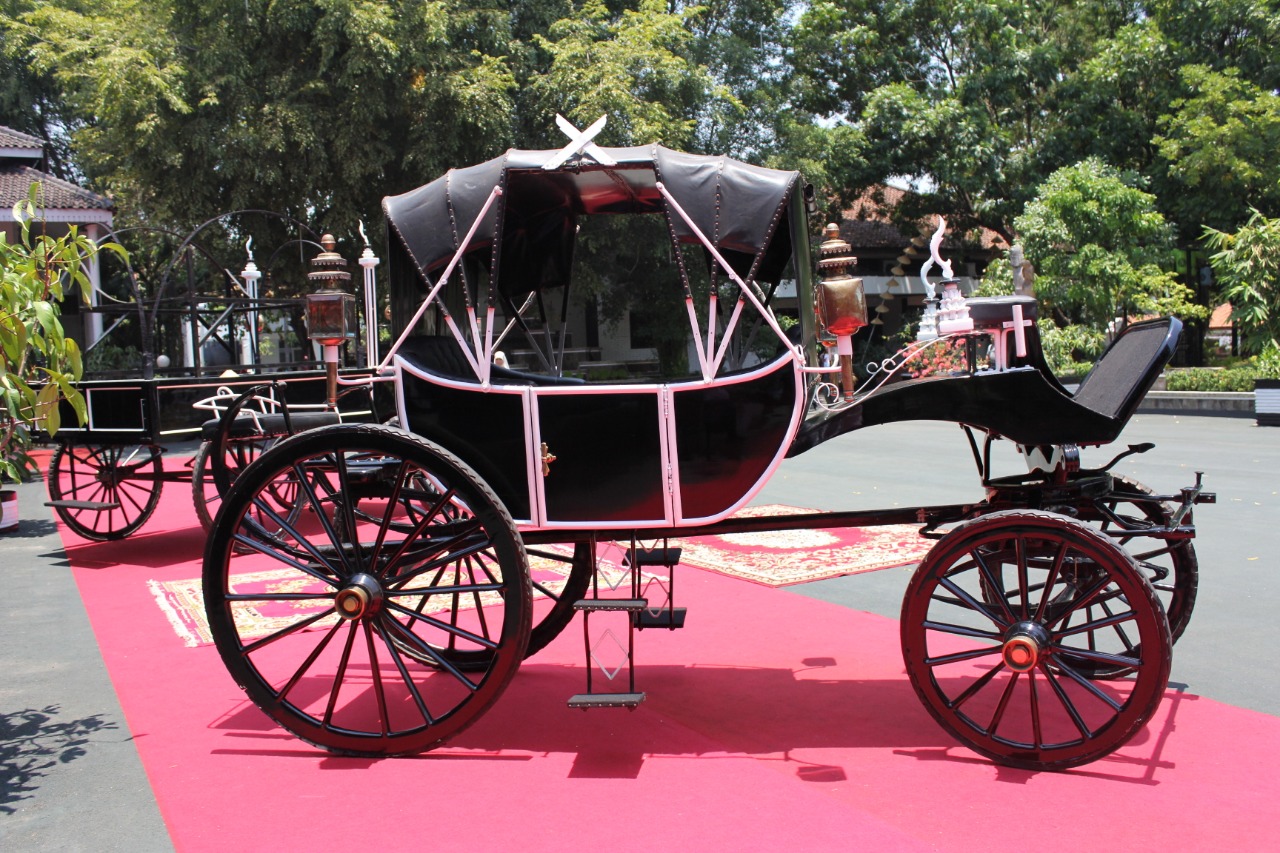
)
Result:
{"points": [[1064, 667], [347, 617]]}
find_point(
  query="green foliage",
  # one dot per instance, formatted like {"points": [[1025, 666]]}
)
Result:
{"points": [[1219, 144], [1247, 265], [1070, 350], [987, 98], [1211, 379], [39, 365], [1098, 245], [632, 67], [1267, 364]]}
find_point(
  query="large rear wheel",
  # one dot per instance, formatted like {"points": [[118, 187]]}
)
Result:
{"points": [[347, 619]]}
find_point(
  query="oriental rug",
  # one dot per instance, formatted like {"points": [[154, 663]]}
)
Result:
{"points": [[785, 557], [772, 558]]}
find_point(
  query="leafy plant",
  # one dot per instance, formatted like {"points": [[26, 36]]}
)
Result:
{"points": [[39, 364], [1247, 264], [1208, 379]]}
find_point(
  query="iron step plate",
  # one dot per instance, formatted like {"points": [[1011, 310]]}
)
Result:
{"points": [[605, 700]]}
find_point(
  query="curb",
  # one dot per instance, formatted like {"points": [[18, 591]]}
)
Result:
{"points": [[1236, 404]]}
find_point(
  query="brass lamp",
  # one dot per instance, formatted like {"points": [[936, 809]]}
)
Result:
{"points": [[844, 305], [331, 310]]}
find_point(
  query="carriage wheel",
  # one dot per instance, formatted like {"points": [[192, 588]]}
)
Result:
{"points": [[105, 492], [1170, 566], [345, 626], [1004, 676], [205, 494]]}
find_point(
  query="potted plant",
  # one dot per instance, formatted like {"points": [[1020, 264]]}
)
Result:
{"points": [[39, 364]]}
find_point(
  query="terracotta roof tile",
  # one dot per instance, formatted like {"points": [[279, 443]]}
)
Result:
{"points": [[15, 183], [10, 138], [868, 222]]}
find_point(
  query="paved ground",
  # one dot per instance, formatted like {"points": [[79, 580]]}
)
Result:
{"points": [[70, 778]]}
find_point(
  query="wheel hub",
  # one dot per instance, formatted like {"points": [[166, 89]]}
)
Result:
{"points": [[362, 596], [1024, 645]]}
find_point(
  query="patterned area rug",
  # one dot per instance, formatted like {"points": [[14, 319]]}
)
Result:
{"points": [[183, 604], [773, 558], [785, 557]]}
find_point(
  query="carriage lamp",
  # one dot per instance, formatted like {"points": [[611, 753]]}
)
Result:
{"points": [[843, 304], [331, 311]]}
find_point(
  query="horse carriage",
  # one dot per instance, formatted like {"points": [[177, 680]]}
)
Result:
{"points": [[403, 570]]}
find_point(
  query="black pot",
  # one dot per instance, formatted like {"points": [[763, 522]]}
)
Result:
{"points": [[1266, 401]]}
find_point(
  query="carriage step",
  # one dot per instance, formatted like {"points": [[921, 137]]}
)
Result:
{"points": [[668, 617], [634, 605], [605, 700], [99, 506], [657, 556]]}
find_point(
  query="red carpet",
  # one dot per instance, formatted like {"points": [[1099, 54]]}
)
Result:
{"points": [[773, 722]]}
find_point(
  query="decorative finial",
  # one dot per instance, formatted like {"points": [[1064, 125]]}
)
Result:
{"points": [[248, 247]]}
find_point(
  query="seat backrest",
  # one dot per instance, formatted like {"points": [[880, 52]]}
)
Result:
{"points": [[1130, 366], [441, 354]]}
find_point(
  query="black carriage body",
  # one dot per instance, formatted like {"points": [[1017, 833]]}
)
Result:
{"points": [[661, 455]]}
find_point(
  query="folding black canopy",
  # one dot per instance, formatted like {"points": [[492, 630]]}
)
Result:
{"points": [[526, 237]]}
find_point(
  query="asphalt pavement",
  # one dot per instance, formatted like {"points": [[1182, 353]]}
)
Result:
{"points": [[71, 779]]}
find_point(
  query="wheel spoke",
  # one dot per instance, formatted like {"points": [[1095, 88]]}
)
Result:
{"points": [[340, 676], [378, 691], [969, 601], [1088, 685], [306, 664], [955, 657], [961, 630], [979, 683], [450, 627], [1068, 706], [998, 715], [300, 625]]}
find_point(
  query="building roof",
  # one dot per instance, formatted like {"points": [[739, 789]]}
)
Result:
{"points": [[16, 144], [868, 222], [62, 201]]}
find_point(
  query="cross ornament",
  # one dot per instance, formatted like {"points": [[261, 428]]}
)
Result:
{"points": [[579, 143]]}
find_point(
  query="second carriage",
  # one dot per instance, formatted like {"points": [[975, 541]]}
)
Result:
{"points": [[374, 588]]}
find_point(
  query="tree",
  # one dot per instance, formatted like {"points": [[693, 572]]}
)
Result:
{"points": [[1218, 147], [312, 109], [961, 94], [1247, 264], [1098, 244]]}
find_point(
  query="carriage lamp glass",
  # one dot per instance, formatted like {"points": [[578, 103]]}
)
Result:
{"points": [[331, 311], [331, 317]]}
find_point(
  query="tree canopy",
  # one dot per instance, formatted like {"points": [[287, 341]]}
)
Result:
{"points": [[317, 108]]}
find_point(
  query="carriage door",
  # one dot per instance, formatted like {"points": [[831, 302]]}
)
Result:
{"points": [[610, 452]]}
